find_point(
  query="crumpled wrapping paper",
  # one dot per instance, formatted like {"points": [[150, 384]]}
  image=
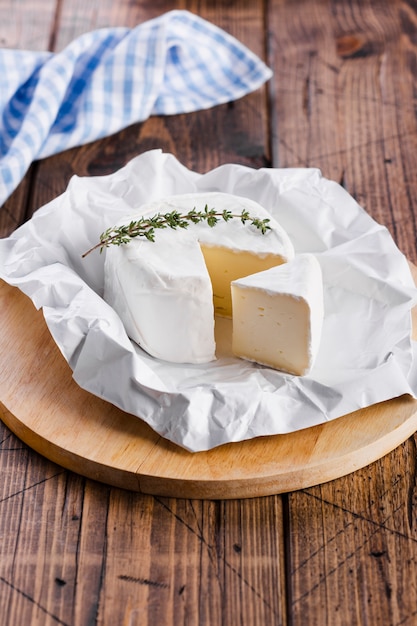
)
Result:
{"points": [[366, 353]]}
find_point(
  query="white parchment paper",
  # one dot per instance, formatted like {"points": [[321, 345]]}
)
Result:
{"points": [[366, 353]]}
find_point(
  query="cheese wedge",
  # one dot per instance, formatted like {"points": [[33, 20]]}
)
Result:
{"points": [[278, 315], [231, 249], [162, 292]]}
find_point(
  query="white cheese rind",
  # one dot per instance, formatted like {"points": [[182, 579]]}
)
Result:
{"points": [[241, 237], [162, 292], [231, 249], [278, 315]]}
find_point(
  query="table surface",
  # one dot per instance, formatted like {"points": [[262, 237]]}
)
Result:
{"points": [[78, 552]]}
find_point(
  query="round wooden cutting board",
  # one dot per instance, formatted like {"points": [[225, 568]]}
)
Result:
{"points": [[46, 409]]}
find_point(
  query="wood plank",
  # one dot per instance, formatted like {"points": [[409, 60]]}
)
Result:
{"points": [[344, 92], [345, 89], [354, 546], [217, 582], [27, 25], [13, 211], [26, 28], [113, 556], [81, 553]]}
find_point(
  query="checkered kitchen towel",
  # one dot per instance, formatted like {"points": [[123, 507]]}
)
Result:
{"points": [[110, 78]]}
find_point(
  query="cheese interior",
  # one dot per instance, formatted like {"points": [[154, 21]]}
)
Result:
{"points": [[225, 265], [271, 330]]}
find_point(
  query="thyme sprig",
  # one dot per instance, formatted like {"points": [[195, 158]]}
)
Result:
{"points": [[146, 226]]}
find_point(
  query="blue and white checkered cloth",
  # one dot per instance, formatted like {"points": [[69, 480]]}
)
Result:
{"points": [[110, 78]]}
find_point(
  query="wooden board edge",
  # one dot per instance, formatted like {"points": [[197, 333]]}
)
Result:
{"points": [[225, 489]]}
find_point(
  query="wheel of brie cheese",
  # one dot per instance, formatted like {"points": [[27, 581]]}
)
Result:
{"points": [[167, 292]]}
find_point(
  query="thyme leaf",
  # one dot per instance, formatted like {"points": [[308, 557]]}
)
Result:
{"points": [[146, 226]]}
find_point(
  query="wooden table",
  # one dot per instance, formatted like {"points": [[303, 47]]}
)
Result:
{"points": [[76, 552]]}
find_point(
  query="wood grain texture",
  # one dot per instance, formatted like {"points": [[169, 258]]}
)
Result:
{"points": [[345, 79], [87, 554], [75, 552], [80, 553], [353, 554]]}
